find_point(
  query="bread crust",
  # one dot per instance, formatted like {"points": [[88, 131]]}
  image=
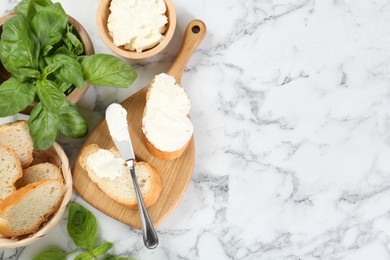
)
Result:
{"points": [[154, 193], [16, 197], [23, 124], [23, 182], [85, 152], [150, 197], [163, 155], [17, 161]]}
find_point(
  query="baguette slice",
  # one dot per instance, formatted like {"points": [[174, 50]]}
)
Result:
{"points": [[17, 136], [38, 172], [121, 189], [10, 171], [166, 126], [26, 209], [163, 155]]}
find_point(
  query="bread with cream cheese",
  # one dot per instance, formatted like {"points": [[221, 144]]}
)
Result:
{"points": [[166, 127], [164, 155], [121, 187]]}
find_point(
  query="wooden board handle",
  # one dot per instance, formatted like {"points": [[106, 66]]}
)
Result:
{"points": [[193, 36]]}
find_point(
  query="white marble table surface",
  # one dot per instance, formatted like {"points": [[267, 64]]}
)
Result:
{"points": [[291, 108]]}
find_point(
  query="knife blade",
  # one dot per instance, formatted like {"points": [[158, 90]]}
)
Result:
{"points": [[116, 118]]}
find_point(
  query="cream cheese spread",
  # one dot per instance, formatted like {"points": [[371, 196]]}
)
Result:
{"points": [[105, 165], [165, 122], [116, 117], [137, 24]]}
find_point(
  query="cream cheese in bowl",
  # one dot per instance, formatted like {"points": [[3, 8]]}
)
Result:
{"points": [[137, 24]]}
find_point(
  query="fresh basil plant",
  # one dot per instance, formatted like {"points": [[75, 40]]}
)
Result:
{"points": [[45, 57], [82, 228]]}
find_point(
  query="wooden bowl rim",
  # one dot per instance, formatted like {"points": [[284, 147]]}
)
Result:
{"points": [[57, 216], [107, 39]]}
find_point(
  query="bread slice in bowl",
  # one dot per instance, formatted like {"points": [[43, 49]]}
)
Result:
{"points": [[38, 172], [26, 209], [10, 171], [16, 135]]}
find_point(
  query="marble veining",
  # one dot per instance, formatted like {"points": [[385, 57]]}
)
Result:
{"points": [[290, 104]]}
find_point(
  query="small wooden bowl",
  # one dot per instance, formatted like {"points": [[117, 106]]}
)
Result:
{"points": [[77, 93], [57, 156], [101, 20]]}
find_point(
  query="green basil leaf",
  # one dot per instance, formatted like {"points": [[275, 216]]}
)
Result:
{"points": [[49, 24], [50, 96], [43, 126], [30, 73], [22, 8], [51, 254], [81, 58], [37, 7], [41, 64], [47, 49], [51, 67], [84, 256], [82, 226], [15, 96], [28, 8], [102, 249], [63, 50], [73, 123], [70, 71], [113, 257], [107, 70], [73, 42], [63, 86], [24, 74], [19, 47]]}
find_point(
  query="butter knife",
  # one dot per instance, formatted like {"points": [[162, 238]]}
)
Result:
{"points": [[116, 118]]}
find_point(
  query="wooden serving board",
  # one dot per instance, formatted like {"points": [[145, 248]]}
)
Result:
{"points": [[175, 175]]}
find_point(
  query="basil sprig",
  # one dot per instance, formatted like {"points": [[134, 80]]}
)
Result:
{"points": [[45, 57], [82, 228]]}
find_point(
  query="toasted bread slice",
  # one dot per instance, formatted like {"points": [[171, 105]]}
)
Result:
{"points": [[121, 188], [38, 172], [10, 171], [17, 136], [26, 209]]}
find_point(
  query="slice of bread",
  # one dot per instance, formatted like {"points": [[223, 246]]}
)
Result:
{"points": [[166, 126], [26, 209], [10, 171], [121, 189], [38, 172], [163, 155], [17, 136]]}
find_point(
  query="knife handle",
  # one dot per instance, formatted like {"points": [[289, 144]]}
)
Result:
{"points": [[148, 232]]}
